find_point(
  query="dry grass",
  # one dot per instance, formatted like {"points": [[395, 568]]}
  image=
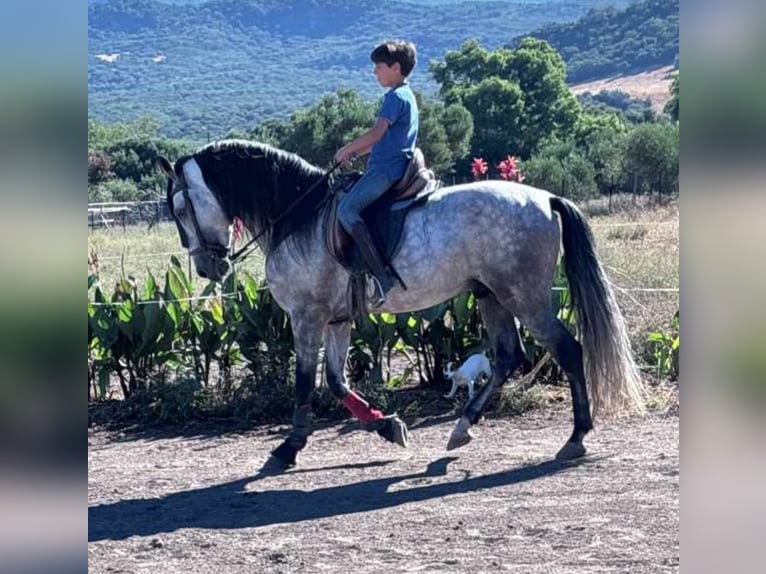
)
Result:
{"points": [[639, 248], [661, 397], [654, 85], [139, 250], [628, 232]]}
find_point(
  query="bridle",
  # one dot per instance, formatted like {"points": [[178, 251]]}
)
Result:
{"points": [[216, 250]]}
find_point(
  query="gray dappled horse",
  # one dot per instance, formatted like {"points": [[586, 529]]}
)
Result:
{"points": [[498, 238]]}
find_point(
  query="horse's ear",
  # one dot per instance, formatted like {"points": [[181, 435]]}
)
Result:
{"points": [[167, 168]]}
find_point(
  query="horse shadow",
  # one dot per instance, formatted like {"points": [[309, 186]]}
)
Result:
{"points": [[230, 505]]}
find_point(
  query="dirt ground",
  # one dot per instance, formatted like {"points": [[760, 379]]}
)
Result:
{"points": [[196, 502]]}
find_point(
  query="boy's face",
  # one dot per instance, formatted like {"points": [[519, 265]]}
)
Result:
{"points": [[388, 76]]}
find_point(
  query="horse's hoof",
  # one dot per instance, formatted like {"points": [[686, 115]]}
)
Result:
{"points": [[283, 456], [570, 450], [461, 435], [395, 430], [456, 440]]}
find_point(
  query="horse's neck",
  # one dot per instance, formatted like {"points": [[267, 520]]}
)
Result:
{"points": [[266, 227], [261, 233]]}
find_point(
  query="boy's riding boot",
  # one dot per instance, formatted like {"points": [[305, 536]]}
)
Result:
{"points": [[372, 257]]}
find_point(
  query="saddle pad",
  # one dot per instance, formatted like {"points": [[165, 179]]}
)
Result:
{"points": [[385, 220]]}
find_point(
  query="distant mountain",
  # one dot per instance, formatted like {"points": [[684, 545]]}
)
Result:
{"points": [[206, 67], [608, 41]]}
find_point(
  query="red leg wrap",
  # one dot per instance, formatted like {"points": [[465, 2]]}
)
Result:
{"points": [[361, 409]]}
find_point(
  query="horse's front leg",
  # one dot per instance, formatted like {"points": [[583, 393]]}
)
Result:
{"points": [[336, 342], [307, 333]]}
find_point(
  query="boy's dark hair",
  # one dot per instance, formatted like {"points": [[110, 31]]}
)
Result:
{"points": [[394, 51]]}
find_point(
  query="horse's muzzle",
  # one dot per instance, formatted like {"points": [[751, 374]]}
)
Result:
{"points": [[210, 266]]}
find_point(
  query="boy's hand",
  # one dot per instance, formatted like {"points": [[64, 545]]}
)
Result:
{"points": [[344, 157]]}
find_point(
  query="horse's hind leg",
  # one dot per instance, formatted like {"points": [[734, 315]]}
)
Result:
{"points": [[336, 340], [504, 338], [550, 332]]}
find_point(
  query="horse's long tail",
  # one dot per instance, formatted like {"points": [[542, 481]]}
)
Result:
{"points": [[611, 373]]}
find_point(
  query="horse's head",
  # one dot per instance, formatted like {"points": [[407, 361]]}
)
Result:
{"points": [[203, 225]]}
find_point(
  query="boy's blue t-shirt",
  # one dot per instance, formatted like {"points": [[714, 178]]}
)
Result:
{"points": [[394, 150]]}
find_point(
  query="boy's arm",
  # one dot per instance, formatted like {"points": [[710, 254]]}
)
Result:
{"points": [[363, 144]]}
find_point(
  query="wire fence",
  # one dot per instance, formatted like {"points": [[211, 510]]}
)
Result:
{"points": [[114, 214], [142, 255], [673, 290]]}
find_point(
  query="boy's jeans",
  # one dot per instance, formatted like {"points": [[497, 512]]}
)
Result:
{"points": [[370, 187]]}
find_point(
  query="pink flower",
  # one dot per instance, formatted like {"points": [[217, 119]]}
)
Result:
{"points": [[478, 167], [509, 169], [236, 229]]}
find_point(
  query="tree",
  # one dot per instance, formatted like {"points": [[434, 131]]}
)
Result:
{"points": [[470, 65], [274, 131], [517, 97], [135, 159], [318, 132], [561, 169], [102, 136], [672, 105], [601, 139], [551, 109], [444, 134], [458, 125], [633, 110], [497, 107], [99, 167], [115, 190], [128, 152], [651, 155]]}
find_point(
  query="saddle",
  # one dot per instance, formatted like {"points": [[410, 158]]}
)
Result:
{"points": [[384, 218]]}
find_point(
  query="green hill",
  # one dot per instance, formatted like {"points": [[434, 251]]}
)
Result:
{"points": [[202, 68], [608, 41]]}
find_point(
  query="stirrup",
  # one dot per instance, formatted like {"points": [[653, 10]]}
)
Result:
{"points": [[375, 295]]}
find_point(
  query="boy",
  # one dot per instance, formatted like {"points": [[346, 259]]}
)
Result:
{"points": [[391, 142]]}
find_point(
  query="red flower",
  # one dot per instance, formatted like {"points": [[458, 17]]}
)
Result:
{"points": [[478, 167], [509, 169]]}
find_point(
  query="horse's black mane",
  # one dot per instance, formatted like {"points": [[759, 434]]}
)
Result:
{"points": [[259, 183]]}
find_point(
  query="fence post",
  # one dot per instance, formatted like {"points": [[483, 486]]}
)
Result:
{"points": [[659, 188]]}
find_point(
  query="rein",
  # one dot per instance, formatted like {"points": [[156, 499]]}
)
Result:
{"points": [[249, 247]]}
